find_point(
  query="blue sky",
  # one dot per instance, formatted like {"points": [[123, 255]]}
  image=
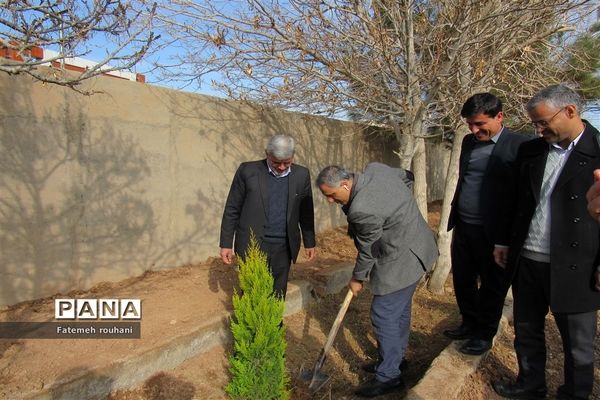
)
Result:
{"points": [[593, 115]]}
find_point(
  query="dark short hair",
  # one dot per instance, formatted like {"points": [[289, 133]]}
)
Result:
{"points": [[481, 103]]}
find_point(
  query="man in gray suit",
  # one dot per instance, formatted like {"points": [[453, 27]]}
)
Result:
{"points": [[396, 248]]}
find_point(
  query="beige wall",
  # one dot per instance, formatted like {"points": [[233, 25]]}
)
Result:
{"points": [[133, 178]]}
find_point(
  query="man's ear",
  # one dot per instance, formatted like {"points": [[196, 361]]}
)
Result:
{"points": [[571, 111]]}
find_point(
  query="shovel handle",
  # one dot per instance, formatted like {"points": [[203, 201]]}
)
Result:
{"points": [[338, 321]]}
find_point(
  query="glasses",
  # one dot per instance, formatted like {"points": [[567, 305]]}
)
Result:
{"points": [[545, 123]]}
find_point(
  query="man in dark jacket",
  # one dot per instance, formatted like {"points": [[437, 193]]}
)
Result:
{"points": [[487, 165], [395, 247], [555, 247], [273, 199]]}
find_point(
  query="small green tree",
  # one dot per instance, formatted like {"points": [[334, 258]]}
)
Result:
{"points": [[257, 364]]}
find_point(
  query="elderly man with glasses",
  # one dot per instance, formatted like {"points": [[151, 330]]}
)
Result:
{"points": [[554, 250]]}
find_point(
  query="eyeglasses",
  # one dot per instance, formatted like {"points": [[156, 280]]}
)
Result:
{"points": [[545, 123]]}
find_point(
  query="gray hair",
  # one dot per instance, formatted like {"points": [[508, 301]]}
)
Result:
{"points": [[558, 96], [281, 147], [332, 176]]}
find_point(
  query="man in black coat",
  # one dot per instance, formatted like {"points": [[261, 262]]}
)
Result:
{"points": [[487, 164], [555, 247], [273, 199]]}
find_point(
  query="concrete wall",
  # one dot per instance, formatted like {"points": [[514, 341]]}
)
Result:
{"points": [[134, 178]]}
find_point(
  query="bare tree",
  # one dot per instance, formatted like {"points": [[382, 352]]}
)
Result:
{"points": [[406, 64], [117, 29]]}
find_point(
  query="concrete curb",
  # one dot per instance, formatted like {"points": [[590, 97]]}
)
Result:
{"points": [[450, 370], [333, 280], [131, 371]]}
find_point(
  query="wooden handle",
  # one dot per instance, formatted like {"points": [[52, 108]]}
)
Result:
{"points": [[338, 321]]}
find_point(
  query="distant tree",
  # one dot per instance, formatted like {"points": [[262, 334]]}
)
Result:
{"points": [[583, 63], [69, 28]]}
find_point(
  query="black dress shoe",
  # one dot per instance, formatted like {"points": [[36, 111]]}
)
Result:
{"points": [[460, 333], [562, 394], [511, 390], [475, 347], [370, 367], [375, 388]]}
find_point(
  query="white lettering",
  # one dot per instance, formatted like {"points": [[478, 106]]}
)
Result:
{"points": [[97, 309], [108, 308], [116, 330], [64, 308], [87, 308], [69, 330], [131, 309]]}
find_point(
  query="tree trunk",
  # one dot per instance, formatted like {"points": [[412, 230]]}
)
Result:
{"points": [[406, 144], [419, 165], [442, 268]]}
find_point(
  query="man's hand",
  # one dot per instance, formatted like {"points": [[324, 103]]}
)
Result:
{"points": [[355, 286], [226, 255], [310, 253], [597, 286], [501, 255], [593, 197]]}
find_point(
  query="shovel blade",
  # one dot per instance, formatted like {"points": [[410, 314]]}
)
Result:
{"points": [[316, 377], [318, 380]]}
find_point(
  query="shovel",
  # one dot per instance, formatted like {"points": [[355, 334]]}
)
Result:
{"points": [[317, 378]]}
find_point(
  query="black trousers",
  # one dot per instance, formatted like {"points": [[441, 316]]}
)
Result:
{"points": [[531, 290], [480, 285], [279, 259]]}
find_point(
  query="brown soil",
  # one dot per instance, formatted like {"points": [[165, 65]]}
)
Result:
{"points": [[188, 289], [205, 375]]}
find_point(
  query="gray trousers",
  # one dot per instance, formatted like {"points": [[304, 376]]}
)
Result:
{"points": [[390, 316]]}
